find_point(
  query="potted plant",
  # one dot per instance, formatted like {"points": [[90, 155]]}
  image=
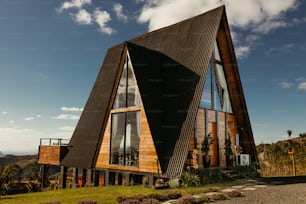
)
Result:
{"points": [[205, 149], [228, 152]]}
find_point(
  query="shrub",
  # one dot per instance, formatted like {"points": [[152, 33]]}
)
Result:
{"points": [[174, 183], [208, 176], [248, 171], [87, 201], [190, 179]]}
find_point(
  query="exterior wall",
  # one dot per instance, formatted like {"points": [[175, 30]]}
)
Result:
{"points": [[147, 153], [218, 124]]}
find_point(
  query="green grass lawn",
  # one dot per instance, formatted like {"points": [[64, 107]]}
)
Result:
{"points": [[105, 195]]}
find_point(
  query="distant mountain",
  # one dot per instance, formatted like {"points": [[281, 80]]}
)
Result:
{"points": [[1, 154]]}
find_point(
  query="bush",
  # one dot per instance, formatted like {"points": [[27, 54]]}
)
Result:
{"points": [[174, 183], [208, 176], [248, 171], [87, 201], [190, 179]]}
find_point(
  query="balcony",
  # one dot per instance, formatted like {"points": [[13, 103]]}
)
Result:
{"points": [[52, 150]]}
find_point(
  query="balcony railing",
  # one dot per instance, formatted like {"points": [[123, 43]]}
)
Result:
{"points": [[53, 142]]}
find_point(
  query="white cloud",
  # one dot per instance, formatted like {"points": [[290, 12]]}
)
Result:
{"points": [[268, 26], [254, 17], [118, 10], [300, 79], [285, 85], [160, 13], [19, 140], [66, 117], [242, 51], [73, 4], [82, 17], [302, 86], [102, 18], [4, 112], [72, 109], [11, 122], [29, 118], [286, 48]]}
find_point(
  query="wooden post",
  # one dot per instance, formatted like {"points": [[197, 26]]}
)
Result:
{"points": [[84, 172], [90, 176], [44, 175], [127, 178], [64, 176], [75, 174], [96, 177], [293, 165], [106, 177], [151, 180]]}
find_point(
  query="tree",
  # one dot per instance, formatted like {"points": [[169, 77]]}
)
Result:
{"points": [[8, 175]]}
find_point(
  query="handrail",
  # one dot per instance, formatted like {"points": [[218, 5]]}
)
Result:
{"points": [[54, 142]]}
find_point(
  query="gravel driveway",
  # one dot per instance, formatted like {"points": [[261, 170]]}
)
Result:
{"points": [[286, 190]]}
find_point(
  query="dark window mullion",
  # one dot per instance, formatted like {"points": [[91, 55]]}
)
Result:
{"points": [[124, 140]]}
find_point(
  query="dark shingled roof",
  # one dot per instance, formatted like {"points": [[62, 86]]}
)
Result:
{"points": [[170, 66]]}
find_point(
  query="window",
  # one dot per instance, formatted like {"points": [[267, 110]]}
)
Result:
{"points": [[127, 92], [125, 138], [125, 121], [215, 94]]}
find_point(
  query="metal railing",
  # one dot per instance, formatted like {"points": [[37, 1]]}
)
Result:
{"points": [[54, 142]]}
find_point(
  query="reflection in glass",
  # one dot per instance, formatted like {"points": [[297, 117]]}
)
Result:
{"points": [[127, 94], [125, 137]]}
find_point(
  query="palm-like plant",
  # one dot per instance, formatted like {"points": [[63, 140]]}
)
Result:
{"points": [[208, 140], [205, 149]]}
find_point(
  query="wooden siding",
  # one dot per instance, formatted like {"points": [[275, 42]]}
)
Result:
{"points": [[221, 138], [232, 130], [147, 153], [51, 155], [217, 127]]}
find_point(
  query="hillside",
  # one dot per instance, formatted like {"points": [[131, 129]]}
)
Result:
{"points": [[26, 162], [274, 159], [22, 161]]}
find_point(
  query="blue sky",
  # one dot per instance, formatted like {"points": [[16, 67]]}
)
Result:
{"points": [[52, 50]]}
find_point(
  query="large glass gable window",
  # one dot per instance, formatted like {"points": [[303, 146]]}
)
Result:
{"points": [[127, 92], [125, 121], [215, 94]]}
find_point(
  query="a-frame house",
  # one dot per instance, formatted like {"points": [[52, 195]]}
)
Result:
{"points": [[155, 99]]}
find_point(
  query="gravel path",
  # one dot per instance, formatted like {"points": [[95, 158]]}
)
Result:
{"points": [[290, 190]]}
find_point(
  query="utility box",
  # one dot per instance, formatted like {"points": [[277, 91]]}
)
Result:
{"points": [[243, 159]]}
